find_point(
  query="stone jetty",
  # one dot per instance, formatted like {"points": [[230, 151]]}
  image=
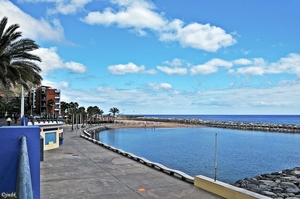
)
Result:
{"points": [[280, 185], [287, 128]]}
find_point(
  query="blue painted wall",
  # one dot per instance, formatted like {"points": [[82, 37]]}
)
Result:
{"points": [[10, 146], [50, 137]]}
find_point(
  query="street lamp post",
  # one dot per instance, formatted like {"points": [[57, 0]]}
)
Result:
{"points": [[22, 102]]}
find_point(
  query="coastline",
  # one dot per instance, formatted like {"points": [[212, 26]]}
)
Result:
{"points": [[266, 186], [175, 122], [138, 123]]}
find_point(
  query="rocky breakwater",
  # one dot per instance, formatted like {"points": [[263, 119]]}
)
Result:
{"points": [[280, 185], [286, 128]]}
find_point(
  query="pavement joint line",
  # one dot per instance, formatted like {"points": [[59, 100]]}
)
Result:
{"points": [[110, 173]]}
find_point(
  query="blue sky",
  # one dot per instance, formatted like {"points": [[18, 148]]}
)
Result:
{"points": [[167, 57]]}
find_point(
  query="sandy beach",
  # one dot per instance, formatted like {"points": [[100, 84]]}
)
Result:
{"points": [[125, 123]]}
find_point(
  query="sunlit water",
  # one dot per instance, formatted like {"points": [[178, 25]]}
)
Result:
{"points": [[240, 153]]}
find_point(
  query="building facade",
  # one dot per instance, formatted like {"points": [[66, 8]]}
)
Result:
{"points": [[45, 101]]}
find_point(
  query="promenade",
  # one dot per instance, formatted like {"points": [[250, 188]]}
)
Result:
{"points": [[80, 169]]}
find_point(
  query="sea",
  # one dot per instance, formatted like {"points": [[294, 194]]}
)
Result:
{"points": [[225, 154]]}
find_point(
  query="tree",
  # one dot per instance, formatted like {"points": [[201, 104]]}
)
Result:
{"points": [[51, 103], [82, 113], [93, 111], [73, 110], [17, 64], [64, 106], [114, 110]]}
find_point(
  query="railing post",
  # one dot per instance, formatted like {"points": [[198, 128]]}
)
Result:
{"points": [[24, 185]]}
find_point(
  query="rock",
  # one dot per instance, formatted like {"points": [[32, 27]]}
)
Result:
{"points": [[269, 183], [289, 187], [277, 189], [268, 193], [289, 178], [296, 172], [263, 186], [283, 184]]}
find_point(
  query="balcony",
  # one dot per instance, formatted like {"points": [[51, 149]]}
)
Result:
{"points": [[57, 91], [57, 97]]}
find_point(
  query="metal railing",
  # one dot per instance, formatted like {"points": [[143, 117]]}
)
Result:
{"points": [[24, 184]]}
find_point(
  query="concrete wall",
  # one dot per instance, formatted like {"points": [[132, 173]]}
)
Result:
{"points": [[225, 190], [10, 148]]}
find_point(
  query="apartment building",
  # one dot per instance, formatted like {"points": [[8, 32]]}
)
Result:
{"points": [[45, 101]]}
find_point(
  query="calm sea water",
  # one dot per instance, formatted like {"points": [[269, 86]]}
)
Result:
{"points": [[240, 153]]}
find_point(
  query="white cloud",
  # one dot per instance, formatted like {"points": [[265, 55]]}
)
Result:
{"points": [[279, 99], [63, 6], [242, 61], [175, 67], [76, 67], [210, 67], [174, 63], [172, 70], [251, 71], [51, 61], [198, 36], [160, 87], [139, 15], [121, 69], [289, 64], [31, 27], [248, 67], [57, 85], [136, 14], [285, 94]]}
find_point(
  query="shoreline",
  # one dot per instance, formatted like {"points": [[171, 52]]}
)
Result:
{"points": [[138, 123], [281, 128]]}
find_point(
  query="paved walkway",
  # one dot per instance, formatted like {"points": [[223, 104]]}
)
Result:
{"points": [[80, 169]]}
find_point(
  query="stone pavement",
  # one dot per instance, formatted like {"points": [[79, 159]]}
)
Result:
{"points": [[80, 169]]}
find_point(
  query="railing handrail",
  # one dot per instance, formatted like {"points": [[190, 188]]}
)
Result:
{"points": [[24, 184]]}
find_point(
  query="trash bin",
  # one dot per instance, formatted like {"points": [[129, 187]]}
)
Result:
{"points": [[61, 139]]}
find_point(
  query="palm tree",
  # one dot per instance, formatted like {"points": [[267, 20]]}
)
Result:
{"points": [[81, 111], [73, 110], [101, 113], [64, 106], [94, 111], [114, 110], [16, 62], [51, 103]]}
